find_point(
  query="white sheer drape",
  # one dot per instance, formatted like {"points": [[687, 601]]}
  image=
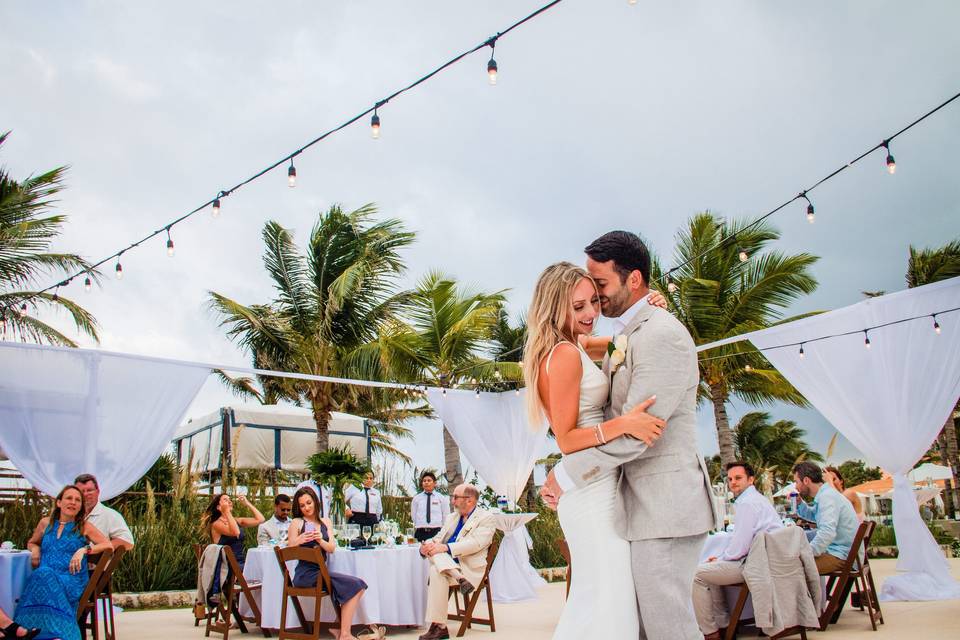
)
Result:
{"points": [[890, 401], [69, 411], [492, 431]]}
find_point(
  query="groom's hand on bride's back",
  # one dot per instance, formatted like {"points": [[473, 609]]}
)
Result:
{"points": [[551, 491], [642, 425]]}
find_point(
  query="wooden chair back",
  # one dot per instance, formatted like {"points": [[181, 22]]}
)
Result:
{"points": [[840, 582], [564, 549], [464, 614], [218, 618], [87, 615], [322, 589]]}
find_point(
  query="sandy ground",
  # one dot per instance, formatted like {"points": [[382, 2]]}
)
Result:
{"points": [[536, 620]]}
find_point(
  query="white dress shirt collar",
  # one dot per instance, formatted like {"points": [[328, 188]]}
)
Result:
{"points": [[620, 323]]}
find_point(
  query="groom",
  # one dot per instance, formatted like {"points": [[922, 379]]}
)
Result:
{"points": [[665, 506]]}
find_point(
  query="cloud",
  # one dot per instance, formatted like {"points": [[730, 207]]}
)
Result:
{"points": [[121, 80]]}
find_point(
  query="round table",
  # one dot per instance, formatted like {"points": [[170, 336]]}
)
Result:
{"points": [[512, 579], [15, 568], [396, 585]]}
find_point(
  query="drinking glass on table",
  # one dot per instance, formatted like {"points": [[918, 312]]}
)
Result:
{"points": [[411, 535], [367, 531]]}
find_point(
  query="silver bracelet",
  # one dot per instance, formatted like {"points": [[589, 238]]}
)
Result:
{"points": [[603, 438]]}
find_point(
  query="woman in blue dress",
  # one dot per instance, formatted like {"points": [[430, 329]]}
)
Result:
{"points": [[226, 529], [59, 548], [308, 529]]}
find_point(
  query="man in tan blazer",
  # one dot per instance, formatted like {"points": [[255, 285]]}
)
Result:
{"points": [[458, 556], [664, 496]]}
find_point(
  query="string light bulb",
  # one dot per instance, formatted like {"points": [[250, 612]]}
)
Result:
{"points": [[631, 2], [492, 65], [748, 368], [866, 339], [56, 295], [118, 269], [23, 308], [478, 393], [891, 163], [375, 126], [443, 392], [292, 175], [743, 255], [671, 285], [170, 249], [811, 215], [801, 351], [215, 212], [518, 391], [87, 284], [936, 325]]}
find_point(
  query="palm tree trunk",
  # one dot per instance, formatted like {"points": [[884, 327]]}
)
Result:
{"points": [[724, 434], [319, 403], [951, 457], [451, 458], [529, 496]]}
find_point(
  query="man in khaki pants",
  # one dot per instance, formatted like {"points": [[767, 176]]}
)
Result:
{"points": [[458, 556]]}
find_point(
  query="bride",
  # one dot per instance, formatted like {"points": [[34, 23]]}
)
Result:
{"points": [[571, 392]]}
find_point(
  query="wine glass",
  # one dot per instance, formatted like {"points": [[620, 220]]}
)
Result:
{"points": [[367, 530]]}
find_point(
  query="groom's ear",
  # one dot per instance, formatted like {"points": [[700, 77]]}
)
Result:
{"points": [[635, 280]]}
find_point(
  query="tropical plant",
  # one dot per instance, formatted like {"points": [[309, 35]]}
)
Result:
{"points": [[718, 295], [26, 234], [771, 448], [856, 472], [335, 468], [447, 328], [332, 311], [926, 266]]}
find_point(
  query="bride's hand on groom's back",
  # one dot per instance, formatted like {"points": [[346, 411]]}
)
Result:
{"points": [[642, 425]]}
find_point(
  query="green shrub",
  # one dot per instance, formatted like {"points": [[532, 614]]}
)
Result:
{"points": [[545, 531]]}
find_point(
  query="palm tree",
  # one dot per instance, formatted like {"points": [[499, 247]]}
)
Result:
{"points": [[772, 449], [26, 233], [718, 296], [331, 306], [447, 328], [926, 266]]}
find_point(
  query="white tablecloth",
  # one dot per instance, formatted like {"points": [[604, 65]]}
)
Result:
{"points": [[511, 577], [15, 568], [396, 580]]}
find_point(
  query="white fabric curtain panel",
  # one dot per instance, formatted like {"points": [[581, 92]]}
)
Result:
{"points": [[890, 401], [493, 433], [65, 411]]}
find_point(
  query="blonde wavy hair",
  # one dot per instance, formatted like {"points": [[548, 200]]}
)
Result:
{"points": [[547, 321]]}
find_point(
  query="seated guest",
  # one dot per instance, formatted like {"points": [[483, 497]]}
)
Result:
{"points": [[59, 547], [107, 520], [226, 529], [458, 556], [429, 508], [308, 529], [364, 506], [832, 476], [11, 629], [754, 516], [324, 492], [836, 521], [276, 527]]}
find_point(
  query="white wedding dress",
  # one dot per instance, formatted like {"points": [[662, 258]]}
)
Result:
{"points": [[603, 600]]}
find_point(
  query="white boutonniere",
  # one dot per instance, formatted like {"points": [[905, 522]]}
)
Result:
{"points": [[617, 351]]}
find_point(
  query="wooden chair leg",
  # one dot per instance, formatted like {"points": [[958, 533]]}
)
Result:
{"points": [[468, 613], [493, 623], [734, 622], [875, 597]]}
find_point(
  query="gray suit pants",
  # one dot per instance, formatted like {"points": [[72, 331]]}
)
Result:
{"points": [[663, 571]]}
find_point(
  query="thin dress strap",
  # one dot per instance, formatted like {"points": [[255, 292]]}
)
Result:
{"points": [[550, 355]]}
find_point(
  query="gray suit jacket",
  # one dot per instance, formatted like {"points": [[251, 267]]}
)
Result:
{"points": [[664, 490]]}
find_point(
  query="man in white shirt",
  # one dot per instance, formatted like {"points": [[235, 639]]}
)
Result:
{"points": [[324, 493], [276, 527], [428, 509], [364, 505], [108, 521], [754, 515]]}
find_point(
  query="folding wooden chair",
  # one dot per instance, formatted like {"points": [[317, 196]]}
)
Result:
{"points": [[218, 620], [742, 596], [862, 581], [105, 595], [323, 589], [464, 614], [564, 550], [87, 615], [840, 582]]}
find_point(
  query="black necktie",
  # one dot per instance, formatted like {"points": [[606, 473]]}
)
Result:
{"points": [[323, 509], [366, 494], [428, 508]]}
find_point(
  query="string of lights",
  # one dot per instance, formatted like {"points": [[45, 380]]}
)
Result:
{"points": [[932, 317], [891, 166], [216, 203]]}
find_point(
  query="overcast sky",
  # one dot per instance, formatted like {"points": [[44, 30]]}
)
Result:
{"points": [[605, 116]]}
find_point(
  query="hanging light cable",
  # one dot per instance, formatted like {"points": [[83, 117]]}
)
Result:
{"points": [[170, 249]]}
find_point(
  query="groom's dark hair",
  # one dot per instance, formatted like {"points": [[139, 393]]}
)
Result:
{"points": [[626, 250]]}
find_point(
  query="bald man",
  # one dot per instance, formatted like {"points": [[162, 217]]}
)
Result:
{"points": [[458, 556]]}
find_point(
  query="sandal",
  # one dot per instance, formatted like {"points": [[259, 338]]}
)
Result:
{"points": [[10, 631]]}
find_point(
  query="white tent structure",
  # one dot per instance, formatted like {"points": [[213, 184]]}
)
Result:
{"points": [[263, 437]]}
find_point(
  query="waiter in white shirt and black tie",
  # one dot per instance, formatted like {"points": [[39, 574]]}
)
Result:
{"points": [[364, 506], [429, 508]]}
